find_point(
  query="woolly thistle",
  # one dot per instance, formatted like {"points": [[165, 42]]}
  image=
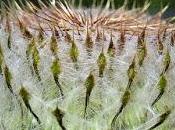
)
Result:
{"points": [[67, 68]]}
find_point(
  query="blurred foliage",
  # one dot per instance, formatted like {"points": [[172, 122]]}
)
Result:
{"points": [[155, 5]]}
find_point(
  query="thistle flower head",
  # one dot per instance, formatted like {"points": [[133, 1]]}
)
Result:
{"points": [[97, 68]]}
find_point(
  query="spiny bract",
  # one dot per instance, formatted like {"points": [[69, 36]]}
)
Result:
{"points": [[66, 68]]}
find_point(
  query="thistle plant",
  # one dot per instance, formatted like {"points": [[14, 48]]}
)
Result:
{"points": [[73, 68]]}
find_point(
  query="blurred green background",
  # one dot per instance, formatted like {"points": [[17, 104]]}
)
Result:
{"points": [[156, 5]]}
